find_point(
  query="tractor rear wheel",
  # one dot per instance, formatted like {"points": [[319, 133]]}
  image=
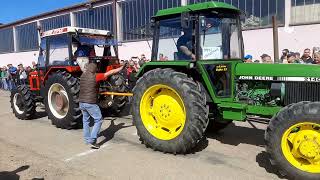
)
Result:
{"points": [[119, 85], [114, 104], [169, 111], [23, 102], [293, 141], [61, 100]]}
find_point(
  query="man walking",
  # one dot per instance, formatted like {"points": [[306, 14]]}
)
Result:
{"points": [[88, 102]]}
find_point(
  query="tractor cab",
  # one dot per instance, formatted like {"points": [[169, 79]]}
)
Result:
{"points": [[71, 46], [205, 35], [70, 49], [198, 33]]}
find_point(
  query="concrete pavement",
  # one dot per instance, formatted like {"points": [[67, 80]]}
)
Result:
{"points": [[42, 151]]}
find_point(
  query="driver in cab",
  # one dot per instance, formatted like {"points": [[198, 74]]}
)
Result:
{"points": [[184, 46]]}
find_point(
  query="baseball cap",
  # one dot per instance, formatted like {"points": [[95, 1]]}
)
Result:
{"points": [[248, 57]]}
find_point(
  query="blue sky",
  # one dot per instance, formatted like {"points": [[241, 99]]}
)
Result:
{"points": [[13, 10]]}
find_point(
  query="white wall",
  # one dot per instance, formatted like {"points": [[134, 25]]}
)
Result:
{"points": [[256, 42], [295, 38], [127, 50], [25, 58]]}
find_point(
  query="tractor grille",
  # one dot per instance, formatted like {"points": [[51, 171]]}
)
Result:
{"points": [[34, 81], [301, 91]]}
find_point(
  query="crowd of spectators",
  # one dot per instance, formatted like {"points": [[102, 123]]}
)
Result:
{"points": [[11, 76], [289, 57], [132, 67]]}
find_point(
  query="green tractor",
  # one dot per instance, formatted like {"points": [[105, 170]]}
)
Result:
{"points": [[205, 84]]}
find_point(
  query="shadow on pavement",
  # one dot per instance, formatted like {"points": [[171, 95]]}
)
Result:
{"points": [[126, 111], [13, 175], [39, 115], [202, 144], [110, 131], [235, 135], [263, 161]]}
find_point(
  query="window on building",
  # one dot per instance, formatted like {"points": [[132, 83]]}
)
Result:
{"points": [[27, 37], [136, 16], [55, 22], [259, 12], [6, 40], [305, 11], [96, 18]]}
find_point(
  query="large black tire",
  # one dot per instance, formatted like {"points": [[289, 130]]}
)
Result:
{"points": [[288, 117], [114, 104], [71, 85], [194, 100], [119, 85], [23, 102]]}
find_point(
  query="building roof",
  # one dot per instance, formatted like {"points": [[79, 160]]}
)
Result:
{"points": [[196, 7], [70, 29], [58, 11]]}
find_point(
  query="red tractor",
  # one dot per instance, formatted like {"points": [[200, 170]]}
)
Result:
{"points": [[63, 55]]}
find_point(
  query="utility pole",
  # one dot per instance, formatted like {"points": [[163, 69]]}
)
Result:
{"points": [[115, 18], [275, 39]]}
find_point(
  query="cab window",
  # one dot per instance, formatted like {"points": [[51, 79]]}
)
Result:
{"points": [[42, 53], [219, 37], [174, 43], [59, 52]]}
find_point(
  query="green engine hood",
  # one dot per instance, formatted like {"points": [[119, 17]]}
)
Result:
{"points": [[279, 70]]}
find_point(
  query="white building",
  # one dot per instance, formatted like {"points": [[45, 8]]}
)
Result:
{"points": [[299, 22]]}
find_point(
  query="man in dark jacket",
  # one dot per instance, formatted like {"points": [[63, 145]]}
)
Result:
{"points": [[88, 102], [184, 46], [306, 57], [13, 77]]}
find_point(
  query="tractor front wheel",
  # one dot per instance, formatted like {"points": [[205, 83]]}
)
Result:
{"points": [[23, 102], [169, 111], [293, 141], [61, 100]]}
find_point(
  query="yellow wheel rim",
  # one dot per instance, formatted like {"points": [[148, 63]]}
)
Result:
{"points": [[162, 112], [301, 146]]}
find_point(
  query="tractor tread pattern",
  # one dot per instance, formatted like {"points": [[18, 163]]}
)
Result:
{"points": [[28, 100], [72, 86], [119, 86]]}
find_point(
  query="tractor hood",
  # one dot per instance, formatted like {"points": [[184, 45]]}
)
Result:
{"points": [[306, 72]]}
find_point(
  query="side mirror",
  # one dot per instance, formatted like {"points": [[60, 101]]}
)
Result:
{"points": [[185, 20]]}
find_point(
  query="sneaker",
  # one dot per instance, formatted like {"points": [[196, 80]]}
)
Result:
{"points": [[95, 146]]}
